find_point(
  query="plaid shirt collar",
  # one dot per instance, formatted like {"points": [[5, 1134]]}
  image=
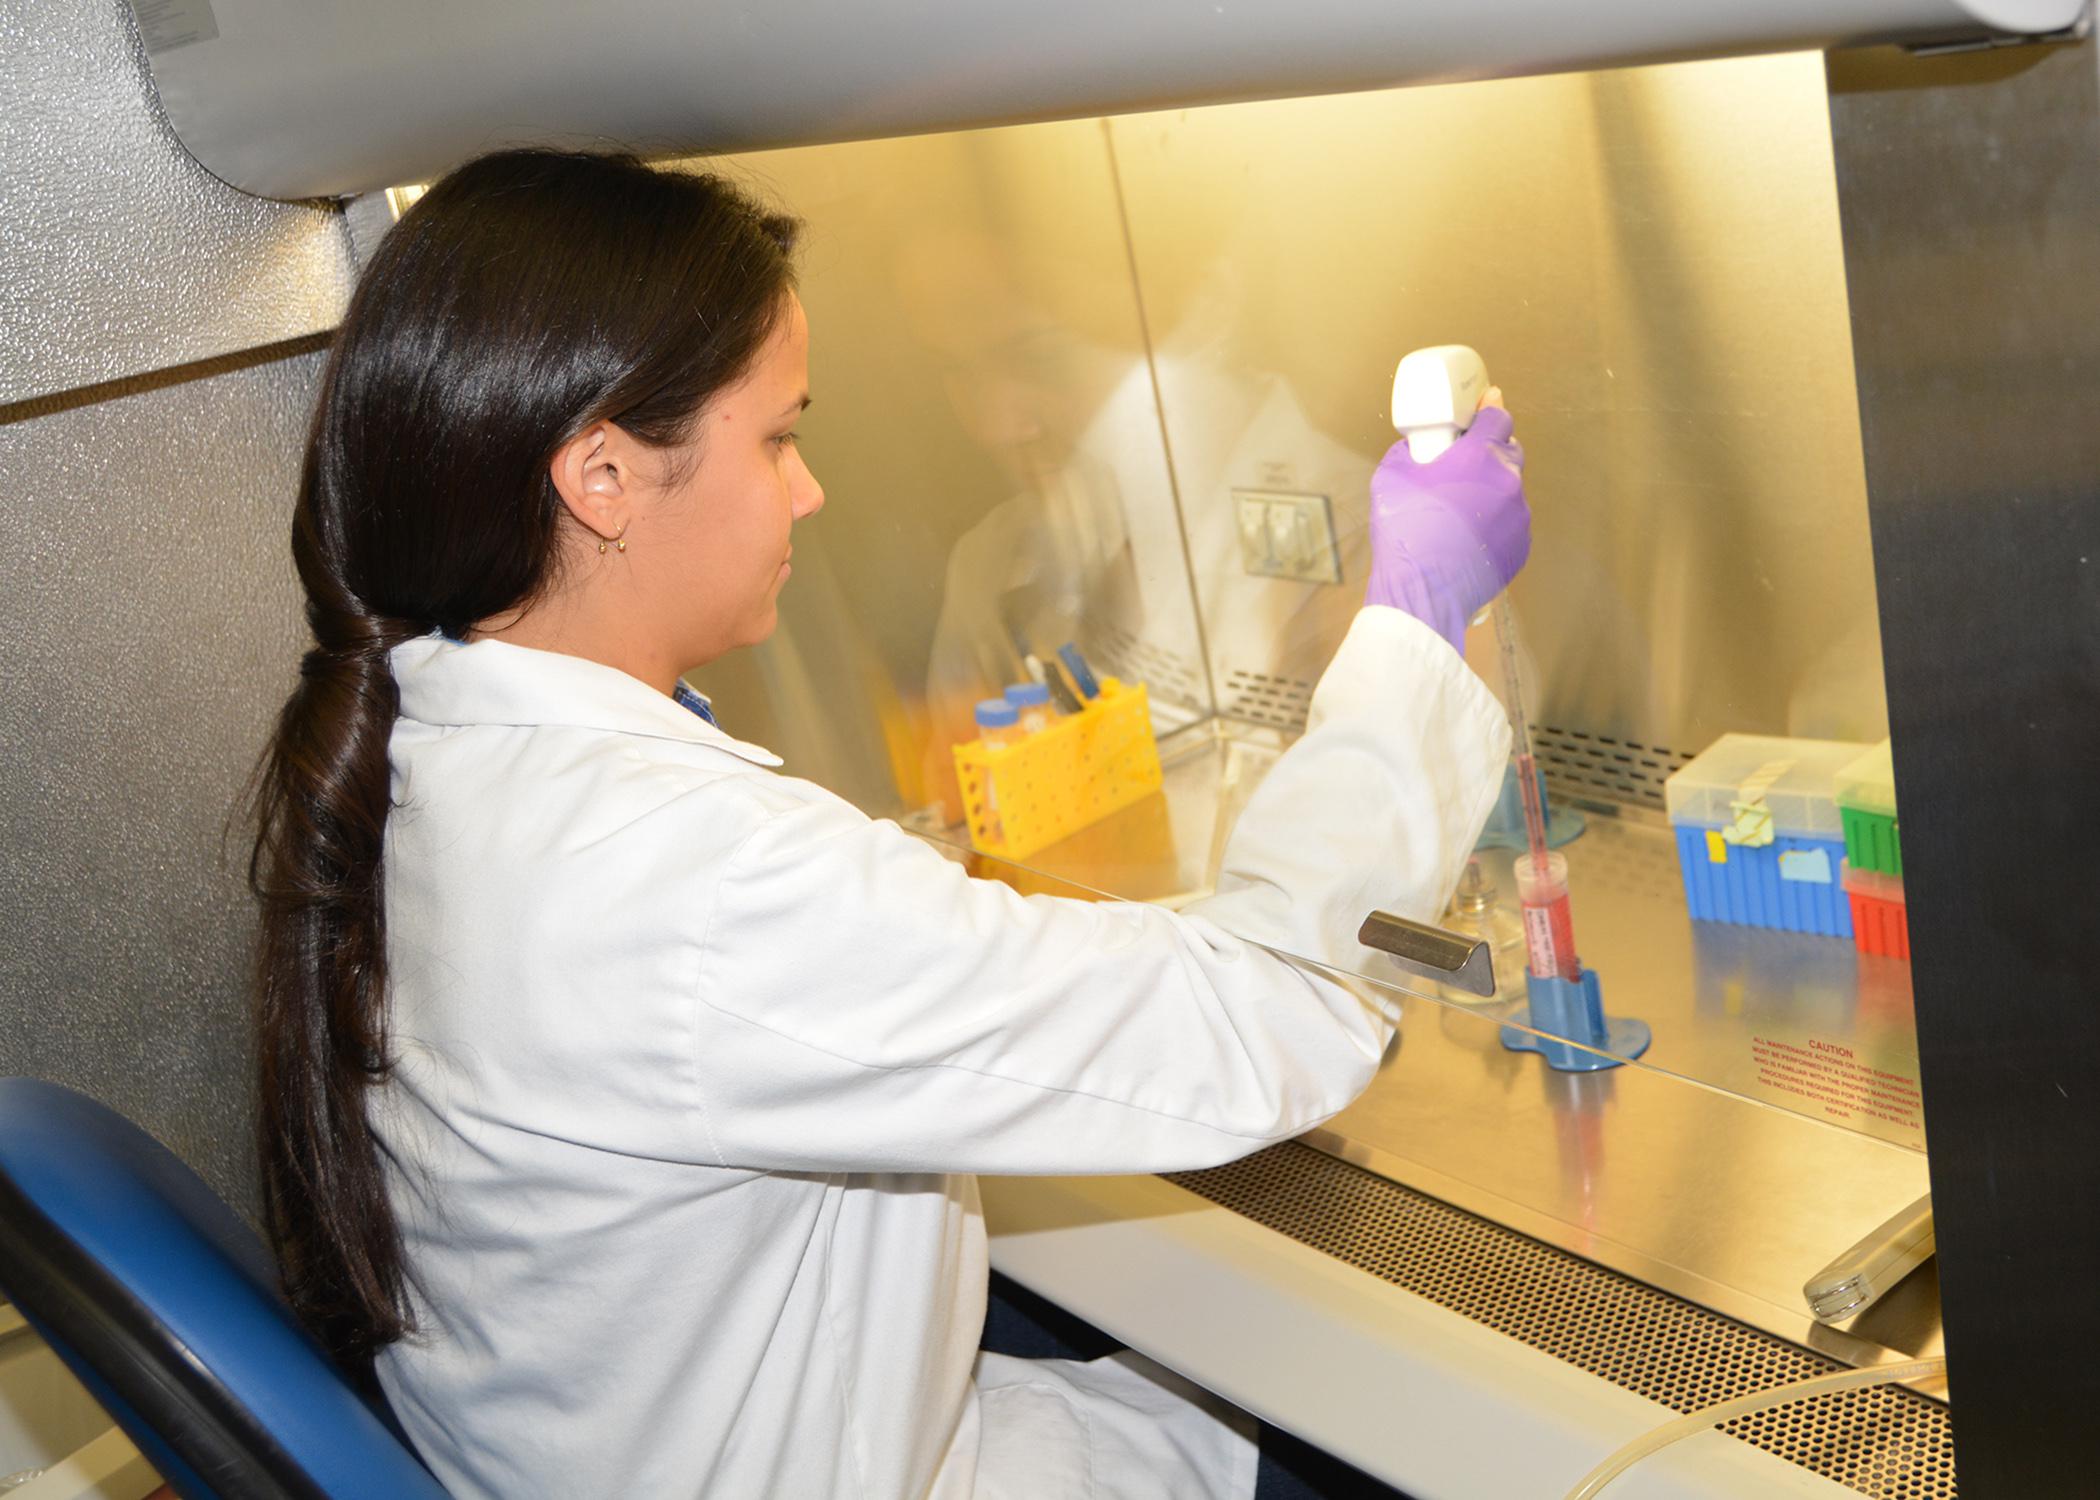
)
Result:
{"points": [[693, 702]]}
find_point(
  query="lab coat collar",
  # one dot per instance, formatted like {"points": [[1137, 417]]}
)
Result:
{"points": [[494, 682]]}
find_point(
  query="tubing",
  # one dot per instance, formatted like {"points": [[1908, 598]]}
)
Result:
{"points": [[1727, 1411]]}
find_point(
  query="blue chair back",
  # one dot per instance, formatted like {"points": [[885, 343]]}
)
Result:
{"points": [[166, 1305]]}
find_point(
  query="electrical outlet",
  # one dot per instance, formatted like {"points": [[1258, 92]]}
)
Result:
{"points": [[1287, 536]]}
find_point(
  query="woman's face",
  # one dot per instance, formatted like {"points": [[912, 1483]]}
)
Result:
{"points": [[719, 539]]}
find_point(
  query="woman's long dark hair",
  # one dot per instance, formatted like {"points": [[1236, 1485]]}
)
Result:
{"points": [[526, 297]]}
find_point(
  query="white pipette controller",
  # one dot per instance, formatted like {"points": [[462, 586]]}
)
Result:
{"points": [[1436, 393]]}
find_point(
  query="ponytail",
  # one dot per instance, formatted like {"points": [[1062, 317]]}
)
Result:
{"points": [[322, 1036], [523, 299]]}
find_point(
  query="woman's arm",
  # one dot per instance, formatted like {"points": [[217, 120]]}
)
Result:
{"points": [[864, 1005]]}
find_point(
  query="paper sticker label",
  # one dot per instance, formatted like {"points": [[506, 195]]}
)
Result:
{"points": [[1809, 866], [1539, 944], [165, 25], [1716, 847]]}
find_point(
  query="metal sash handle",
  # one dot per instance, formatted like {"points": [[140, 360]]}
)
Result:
{"points": [[1447, 957], [1858, 1278]]}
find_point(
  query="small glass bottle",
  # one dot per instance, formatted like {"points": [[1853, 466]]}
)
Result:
{"points": [[1477, 912], [1031, 700], [998, 723], [998, 726]]}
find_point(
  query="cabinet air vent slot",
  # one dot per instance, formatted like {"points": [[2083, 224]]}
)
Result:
{"points": [[1264, 698], [1598, 768]]}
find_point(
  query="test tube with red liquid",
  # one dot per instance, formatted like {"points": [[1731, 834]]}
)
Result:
{"points": [[1549, 925]]}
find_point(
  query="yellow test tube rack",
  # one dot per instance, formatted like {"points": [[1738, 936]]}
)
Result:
{"points": [[1077, 770]]}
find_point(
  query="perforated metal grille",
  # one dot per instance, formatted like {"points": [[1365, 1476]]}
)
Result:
{"points": [[1578, 764], [1265, 698], [1596, 766], [1887, 1442], [1120, 654]]}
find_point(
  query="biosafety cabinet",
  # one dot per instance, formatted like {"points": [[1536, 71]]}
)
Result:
{"points": [[1804, 352]]}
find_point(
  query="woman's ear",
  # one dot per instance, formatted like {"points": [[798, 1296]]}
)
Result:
{"points": [[593, 473]]}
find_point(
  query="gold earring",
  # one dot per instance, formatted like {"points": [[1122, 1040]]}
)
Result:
{"points": [[616, 542]]}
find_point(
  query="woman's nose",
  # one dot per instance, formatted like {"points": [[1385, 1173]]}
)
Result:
{"points": [[809, 496]]}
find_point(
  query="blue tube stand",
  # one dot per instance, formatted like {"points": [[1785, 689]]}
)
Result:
{"points": [[1564, 1008], [1505, 824]]}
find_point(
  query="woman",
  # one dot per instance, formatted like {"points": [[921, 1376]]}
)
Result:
{"points": [[619, 1092]]}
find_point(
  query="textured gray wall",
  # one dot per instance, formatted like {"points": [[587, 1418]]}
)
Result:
{"points": [[120, 253], [147, 602], [152, 627]]}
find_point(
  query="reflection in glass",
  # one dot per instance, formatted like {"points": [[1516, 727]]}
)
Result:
{"points": [[1054, 363], [1062, 370]]}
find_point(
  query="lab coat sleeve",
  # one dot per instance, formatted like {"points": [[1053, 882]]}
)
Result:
{"points": [[864, 1005], [1376, 808]]}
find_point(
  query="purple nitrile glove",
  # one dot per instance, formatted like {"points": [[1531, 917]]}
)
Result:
{"points": [[1448, 535]]}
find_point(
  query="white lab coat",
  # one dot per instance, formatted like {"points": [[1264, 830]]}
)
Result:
{"points": [[694, 1060]]}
